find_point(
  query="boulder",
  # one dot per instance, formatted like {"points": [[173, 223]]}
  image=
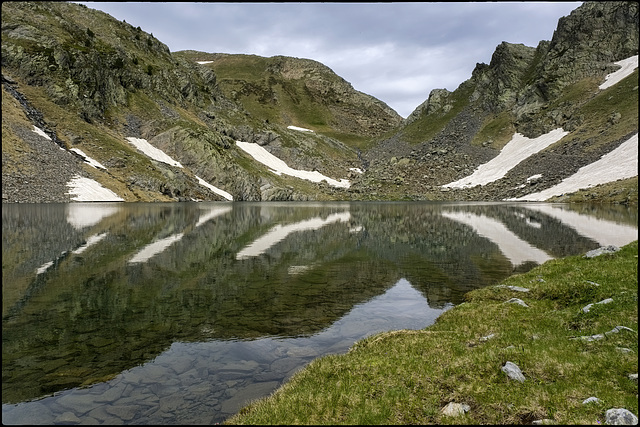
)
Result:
{"points": [[620, 417], [601, 250], [513, 371], [455, 409]]}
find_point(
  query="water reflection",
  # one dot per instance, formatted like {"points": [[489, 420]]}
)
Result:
{"points": [[514, 248], [179, 313]]}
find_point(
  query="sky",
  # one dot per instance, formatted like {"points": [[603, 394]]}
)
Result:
{"points": [[396, 52]]}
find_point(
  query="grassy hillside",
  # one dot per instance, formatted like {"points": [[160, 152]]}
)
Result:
{"points": [[300, 92]]}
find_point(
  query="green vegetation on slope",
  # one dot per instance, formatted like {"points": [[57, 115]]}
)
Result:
{"points": [[407, 377]]}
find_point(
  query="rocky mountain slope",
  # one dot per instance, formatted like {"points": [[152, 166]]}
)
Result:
{"points": [[78, 85], [526, 90]]}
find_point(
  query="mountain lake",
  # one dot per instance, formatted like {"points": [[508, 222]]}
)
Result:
{"points": [[182, 313]]}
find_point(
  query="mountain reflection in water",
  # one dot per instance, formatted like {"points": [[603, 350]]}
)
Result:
{"points": [[180, 313]]}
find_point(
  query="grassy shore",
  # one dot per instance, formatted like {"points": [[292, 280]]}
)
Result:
{"points": [[407, 377]]}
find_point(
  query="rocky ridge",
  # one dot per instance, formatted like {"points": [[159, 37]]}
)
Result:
{"points": [[93, 81]]}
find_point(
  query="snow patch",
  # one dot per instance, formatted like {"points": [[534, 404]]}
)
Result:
{"points": [[40, 132], [300, 129], [87, 190], [279, 167], [214, 189], [96, 164], [204, 62], [153, 152], [518, 149], [627, 66], [620, 163]]}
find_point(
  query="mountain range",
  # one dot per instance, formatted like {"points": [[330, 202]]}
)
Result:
{"points": [[95, 109]]}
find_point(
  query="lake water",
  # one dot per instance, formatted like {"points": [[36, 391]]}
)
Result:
{"points": [[181, 313]]}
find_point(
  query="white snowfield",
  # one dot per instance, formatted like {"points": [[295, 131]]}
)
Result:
{"points": [[627, 66], [620, 163], [40, 132], [214, 189], [92, 162], [279, 167], [88, 190], [518, 149], [153, 152], [299, 128]]}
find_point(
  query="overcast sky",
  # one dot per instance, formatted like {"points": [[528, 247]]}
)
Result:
{"points": [[397, 52]]}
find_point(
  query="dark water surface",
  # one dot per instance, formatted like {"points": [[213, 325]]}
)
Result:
{"points": [[181, 313]]}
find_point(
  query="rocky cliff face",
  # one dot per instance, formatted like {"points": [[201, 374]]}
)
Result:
{"points": [[89, 81], [527, 90]]}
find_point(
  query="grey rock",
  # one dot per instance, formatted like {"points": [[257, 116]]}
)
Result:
{"points": [[513, 371], [517, 301], [455, 409], [619, 329], [248, 394], [544, 421], [35, 413], [601, 336], [514, 288], [587, 308], [78, 403], [488, 337], [620, 417], [602, 250], [124, 412], [591, 400], [590, 337]]}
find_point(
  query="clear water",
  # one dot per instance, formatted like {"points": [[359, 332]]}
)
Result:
{"points": [[181, 313]]}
